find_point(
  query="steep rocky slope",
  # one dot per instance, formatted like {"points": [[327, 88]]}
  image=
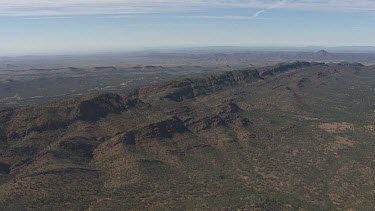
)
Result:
{"points": [[287, 137]]}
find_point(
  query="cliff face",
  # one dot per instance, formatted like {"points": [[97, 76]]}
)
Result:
{"points": [[60, 115], [192, 87], [285, 67], [162, 129], [225, 115], [100, 106]]}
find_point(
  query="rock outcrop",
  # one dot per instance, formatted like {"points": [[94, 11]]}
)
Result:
{"points": [[100, 106], [60, 115], [187, 88], [192, 87], [267, 71], [225, 116], [162, 129]]}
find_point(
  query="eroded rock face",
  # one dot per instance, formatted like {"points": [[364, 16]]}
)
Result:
{"points": [[230, 108], [190, 88], [225, 116], [207, 123], [193, 88], [100, 106], [163, 129], [60, 115], [181, 93], [285, 67]]}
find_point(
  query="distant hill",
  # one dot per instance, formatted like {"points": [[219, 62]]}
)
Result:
{"points": [[323, 55]]}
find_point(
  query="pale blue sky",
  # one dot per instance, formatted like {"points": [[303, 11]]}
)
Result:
{"points": [[91, 26]]}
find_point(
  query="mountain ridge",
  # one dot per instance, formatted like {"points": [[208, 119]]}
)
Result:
{"points": [[259, 138]]}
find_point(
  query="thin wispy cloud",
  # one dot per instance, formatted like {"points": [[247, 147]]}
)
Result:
{"points": [[100, 7], [277, 4], [253, 16]]}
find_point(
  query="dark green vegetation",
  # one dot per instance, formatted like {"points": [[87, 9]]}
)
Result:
{"points": [[294, 136]]}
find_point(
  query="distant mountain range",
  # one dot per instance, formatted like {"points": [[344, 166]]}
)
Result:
{"points": [[204, 56], [210, 49]]}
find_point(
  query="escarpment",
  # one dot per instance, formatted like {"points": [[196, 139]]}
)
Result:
{"points": [[267, 71], [225, 115], [191, 87], [100, 106], [60, 115], [161, 129], [188, 88]]}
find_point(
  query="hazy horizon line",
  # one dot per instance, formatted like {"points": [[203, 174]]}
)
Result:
{"points": [[338, 48]]}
